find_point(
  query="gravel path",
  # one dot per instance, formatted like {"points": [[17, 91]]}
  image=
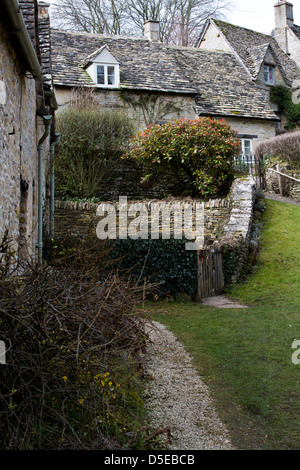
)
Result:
{"points": [[277, 197], [178, 399]]}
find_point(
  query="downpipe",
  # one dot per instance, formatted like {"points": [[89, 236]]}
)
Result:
{"points": [[47, 123], [55, 141]]}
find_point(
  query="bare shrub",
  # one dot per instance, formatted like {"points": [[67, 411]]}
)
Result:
{"points": [[285, 147], [74, 365], [93, 139]]}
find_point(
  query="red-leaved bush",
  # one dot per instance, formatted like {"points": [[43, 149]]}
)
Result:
{"points": [[203, 149]]}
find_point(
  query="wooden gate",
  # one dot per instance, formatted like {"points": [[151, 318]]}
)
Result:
{"points": [[210, 273]]}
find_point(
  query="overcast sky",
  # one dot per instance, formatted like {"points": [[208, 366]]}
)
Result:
{"points": [[255, 14], [258, 14]]}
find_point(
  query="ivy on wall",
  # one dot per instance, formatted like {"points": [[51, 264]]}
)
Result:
{"points": [[282, 96], [152, 106], [166, 264]]}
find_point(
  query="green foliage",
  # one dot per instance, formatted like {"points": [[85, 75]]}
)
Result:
{"points": [[91, 145], [282, 96], [201, 149], [166, 264], [231, 260]]}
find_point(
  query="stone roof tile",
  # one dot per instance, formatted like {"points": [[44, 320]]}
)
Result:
{"points": [[226, 89], [218, 81], [245, 41], [143, 65], [257, 55], [296, 30]]}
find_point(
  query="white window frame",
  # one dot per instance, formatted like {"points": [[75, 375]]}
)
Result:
{"points": [[268, 68], [106, 74], [243, 147]]}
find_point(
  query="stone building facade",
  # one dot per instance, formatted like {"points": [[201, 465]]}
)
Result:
{"points": [[171, 81], [263, 57], [23, 106]]}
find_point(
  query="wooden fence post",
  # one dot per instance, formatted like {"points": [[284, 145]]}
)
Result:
{"points": [[279, 181]]}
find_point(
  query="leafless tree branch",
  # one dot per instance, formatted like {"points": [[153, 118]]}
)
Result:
{"points": [[180, 20]]}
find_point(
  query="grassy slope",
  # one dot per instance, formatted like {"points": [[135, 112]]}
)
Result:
{"points": [[245, 354]]}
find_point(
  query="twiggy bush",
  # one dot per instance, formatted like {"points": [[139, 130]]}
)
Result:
{"points": [[92, 142], [73, 373], [285, 147]]}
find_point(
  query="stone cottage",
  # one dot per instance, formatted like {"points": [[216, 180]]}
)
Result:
{"points": [[27, 106], [155, 82], [266, 59]]}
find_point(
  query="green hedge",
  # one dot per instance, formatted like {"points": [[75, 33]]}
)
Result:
{"points": [[165, 263]]}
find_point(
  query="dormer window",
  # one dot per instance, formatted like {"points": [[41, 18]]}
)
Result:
{"points": [[106, 75], [103, 68], [269, 74]]}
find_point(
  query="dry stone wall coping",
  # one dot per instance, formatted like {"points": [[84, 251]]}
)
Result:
{"points": [[92, 207], [237, 229]]}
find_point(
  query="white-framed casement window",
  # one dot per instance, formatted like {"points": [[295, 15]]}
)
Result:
{"points": [[103, 68], [269, 74], [246, 147], [106, 74]]}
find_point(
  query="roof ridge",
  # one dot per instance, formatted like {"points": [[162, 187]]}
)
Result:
{"points": [[103, 36], [240, 27]]}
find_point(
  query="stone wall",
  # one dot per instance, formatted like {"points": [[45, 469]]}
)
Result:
{"points": [[142, 108], [79, 219], [235, 236], [238, 226], [18, 157], [261, 130], [289, 187], [227, 224], [227, 220], [20, 131], [213, 41]]}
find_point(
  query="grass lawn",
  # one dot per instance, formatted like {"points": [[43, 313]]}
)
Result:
{"points": [[244, 355]]}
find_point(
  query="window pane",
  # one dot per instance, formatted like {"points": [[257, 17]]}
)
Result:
{"points": [[247, 147], [269, 74], [100, 75], [110, 75]]}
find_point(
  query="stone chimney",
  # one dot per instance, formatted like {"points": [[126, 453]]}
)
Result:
{"points": [[151, 30], [43, 8], [283, 14]]}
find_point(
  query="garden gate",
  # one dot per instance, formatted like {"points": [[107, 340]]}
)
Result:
{"points": [[210, 272]]}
